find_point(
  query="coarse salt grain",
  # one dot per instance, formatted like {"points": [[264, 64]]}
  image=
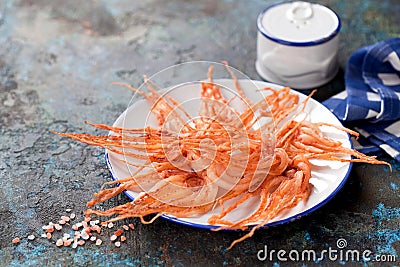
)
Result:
{"points": [[92, 238], [110, 225], [84, 234], [59, 242], [126, 227], [119, 232], [16, 240], [68, 242], [96, 228], [72, 216], [131, 226], [68, 210], [118, 244], [58, 227], [65, 218], [45, 227], [113, 237], [123, 238], [31, 237], [98, 242], [48, 235], [66, 235]]}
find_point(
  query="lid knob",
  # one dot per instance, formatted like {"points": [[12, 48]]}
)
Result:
{"points": [[299, 11]]}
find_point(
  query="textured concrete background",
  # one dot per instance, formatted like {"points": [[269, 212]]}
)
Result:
{"points": [[57, 61]]}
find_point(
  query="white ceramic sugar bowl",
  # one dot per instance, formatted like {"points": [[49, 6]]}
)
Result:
{"points": [[297, 44]]}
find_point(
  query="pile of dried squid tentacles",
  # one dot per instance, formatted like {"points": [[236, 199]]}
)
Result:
{"points": [[219, 158]]}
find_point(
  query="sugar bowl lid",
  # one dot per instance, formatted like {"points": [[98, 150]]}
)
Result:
{"points": [[298, 23]]}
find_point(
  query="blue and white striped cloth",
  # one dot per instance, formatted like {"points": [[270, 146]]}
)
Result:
{"points": [[371, 100]]}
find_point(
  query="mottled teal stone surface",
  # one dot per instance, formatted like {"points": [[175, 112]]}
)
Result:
{"points": [[57, 61]]}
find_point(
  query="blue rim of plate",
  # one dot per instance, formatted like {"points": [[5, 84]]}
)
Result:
{"points": [[322, 40], [290, 219]]}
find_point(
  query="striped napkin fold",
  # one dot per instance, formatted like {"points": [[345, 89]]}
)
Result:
{"points": [[371, 100]]}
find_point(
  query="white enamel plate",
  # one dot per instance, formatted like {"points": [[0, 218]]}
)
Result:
{"points": [[327, 176]]}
